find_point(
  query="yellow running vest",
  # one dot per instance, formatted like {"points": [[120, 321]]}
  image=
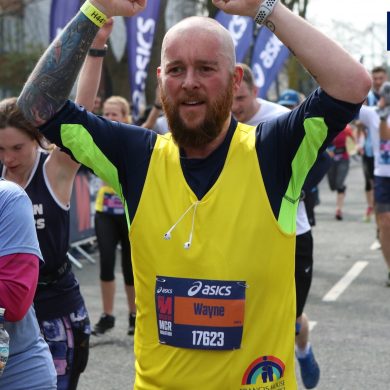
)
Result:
{"points": [[235, 237]]}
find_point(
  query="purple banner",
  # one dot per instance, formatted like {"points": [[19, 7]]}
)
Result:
{"points": [[269, 55], [60, 13], [140, 32], [388, 31], [241, 30]]}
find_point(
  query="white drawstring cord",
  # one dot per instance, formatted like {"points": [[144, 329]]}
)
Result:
{"points": [[168, 236], [189, 242]]}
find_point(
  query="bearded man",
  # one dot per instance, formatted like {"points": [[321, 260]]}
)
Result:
{"points": [[205, 200]]}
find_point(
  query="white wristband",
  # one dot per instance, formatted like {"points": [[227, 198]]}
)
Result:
{"points": [[265, 10]]}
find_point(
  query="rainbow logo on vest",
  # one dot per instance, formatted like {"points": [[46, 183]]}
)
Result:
{"points": [[269, 368]]}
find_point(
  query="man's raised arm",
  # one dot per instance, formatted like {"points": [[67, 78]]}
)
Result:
{"points": [[51, 81], [334, 69]]}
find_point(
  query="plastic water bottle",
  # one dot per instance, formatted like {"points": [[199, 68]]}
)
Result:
{"points": [[4, 342]]}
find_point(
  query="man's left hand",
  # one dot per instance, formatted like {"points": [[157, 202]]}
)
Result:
{"points": [[239, 7]]}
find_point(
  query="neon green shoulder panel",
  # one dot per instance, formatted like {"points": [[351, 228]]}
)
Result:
{"points": [[77, 139], [315, 133]]}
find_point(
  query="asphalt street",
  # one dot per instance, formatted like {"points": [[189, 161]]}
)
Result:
{"points": [[348, 305]]}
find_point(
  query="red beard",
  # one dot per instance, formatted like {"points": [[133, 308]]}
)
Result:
{"points": [[206, 131]]}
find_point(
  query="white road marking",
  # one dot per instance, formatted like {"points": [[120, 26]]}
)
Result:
{"points": [[312, 324], [345, 281]]}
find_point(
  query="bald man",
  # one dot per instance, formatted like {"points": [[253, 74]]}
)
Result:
{"points": [[204, 200]]}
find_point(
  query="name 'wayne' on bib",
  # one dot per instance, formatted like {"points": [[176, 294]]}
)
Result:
{"points": [[199, 313]]}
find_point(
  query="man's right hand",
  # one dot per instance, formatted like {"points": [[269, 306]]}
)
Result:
{"points": [[119, 7]]}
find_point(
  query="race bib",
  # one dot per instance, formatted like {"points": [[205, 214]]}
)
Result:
{"points": [[199, 313], [384, 152], [112, 204]]}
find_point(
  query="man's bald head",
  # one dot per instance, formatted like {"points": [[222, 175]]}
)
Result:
{"points": [[198, 77], [201, 28]]}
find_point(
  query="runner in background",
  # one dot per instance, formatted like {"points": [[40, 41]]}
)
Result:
{"points": [[111, 226], [309, 368], [30, 365], [248, 107], [339, 168], [111, 229], [379, 76], [377, 121], [47, 175]]}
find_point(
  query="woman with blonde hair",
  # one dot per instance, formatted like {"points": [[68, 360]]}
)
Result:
{"points": [[111, 229], [117, 108]]}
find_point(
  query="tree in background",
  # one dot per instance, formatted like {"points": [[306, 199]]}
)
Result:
{"points": [[298, 78], [177, 10], [17, 59]]}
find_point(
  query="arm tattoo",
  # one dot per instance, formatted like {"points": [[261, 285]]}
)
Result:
{"points": [[270, 25], [51, 81]]}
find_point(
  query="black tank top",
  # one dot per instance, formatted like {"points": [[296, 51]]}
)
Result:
{"points": [[52, 224], [51, 220]]}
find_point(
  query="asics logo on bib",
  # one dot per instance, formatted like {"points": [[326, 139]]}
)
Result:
{"points": [[164, 290], [208, 289]]}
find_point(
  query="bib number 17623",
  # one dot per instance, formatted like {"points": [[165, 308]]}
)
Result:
{"points": [[208, 339]]}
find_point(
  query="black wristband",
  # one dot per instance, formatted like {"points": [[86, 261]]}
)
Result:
{"points": [[158, 106], [98, 52]]}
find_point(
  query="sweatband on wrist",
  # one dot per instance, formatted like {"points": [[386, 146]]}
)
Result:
{"points": [[93, 14], [92, 52], [265, 10]]}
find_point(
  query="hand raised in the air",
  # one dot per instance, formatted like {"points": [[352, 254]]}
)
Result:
{"points": [[239, 7], [119, 7]]}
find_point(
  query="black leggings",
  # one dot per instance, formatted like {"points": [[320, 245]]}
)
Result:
{"points": [[368, 171], [110, 230], [303, 268]]}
